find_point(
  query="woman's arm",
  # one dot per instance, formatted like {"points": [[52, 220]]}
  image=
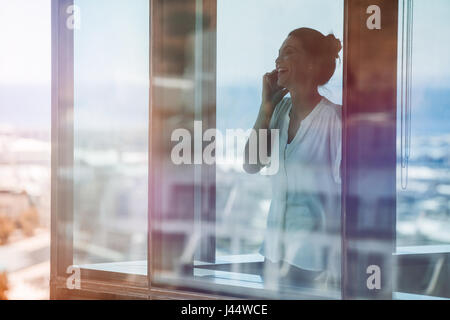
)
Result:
{"points": [[271, 96], [262, 122]]}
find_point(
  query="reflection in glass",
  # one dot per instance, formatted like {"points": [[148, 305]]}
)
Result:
{"points": [[210, 222], [423, 144], [305, 204], [111, 49], [423, 198]]}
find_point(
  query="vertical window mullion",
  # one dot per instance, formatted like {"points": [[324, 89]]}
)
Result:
{"points": [[369, 152], [62, 144]]}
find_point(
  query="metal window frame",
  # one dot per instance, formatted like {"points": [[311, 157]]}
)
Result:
{"points": [[62, 155], [62, 152], [369, 148], [358, 102]]}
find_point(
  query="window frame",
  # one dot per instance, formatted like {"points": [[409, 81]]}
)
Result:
{"points": [[360, 160], [62, 133], [62, 152], [101, 284]]}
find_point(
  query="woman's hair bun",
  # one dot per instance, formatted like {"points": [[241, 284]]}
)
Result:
{"points": [[334, 45]]}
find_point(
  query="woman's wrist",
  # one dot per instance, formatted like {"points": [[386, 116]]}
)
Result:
{"points": [[266, 112], [263, 120]]}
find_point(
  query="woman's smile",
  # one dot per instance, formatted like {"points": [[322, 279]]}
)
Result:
{"points": [[282, 73], [282, 70]]}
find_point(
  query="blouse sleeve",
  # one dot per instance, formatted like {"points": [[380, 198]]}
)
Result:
{"points": [[275, 120], [336, 146], [277, 113]]}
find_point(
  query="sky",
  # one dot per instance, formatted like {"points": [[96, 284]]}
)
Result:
{"points": [[25, 34], [431, 48], [250, 33], [111, 62], [25, 27]]}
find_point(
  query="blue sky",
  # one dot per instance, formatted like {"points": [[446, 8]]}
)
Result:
{"points": [[250, 33], [431, 53], [244, 26], [26, 57]]}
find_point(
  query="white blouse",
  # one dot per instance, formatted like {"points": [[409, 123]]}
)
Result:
{"points": [[303, 225]]}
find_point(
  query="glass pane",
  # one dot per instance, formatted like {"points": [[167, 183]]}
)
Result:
{"points": [[423, 192], [111, 64], [423, 195], [215, 65]]}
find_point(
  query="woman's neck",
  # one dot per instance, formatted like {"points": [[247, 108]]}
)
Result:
{"points": [[304, 99]]}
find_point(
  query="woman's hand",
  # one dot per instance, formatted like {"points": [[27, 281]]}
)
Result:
{"points": [[272, 93], [271, 96]]}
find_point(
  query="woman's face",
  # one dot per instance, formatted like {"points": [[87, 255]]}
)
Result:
{"points": [[291, 64]]}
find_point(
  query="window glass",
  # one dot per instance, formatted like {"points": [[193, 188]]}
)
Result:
{"points": [[214, 218], [423, 196], [111, 72], [423, 144], [246, 50]]}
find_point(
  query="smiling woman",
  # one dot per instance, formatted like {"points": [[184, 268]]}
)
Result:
{"points": [[306, 191], [307, 54]]}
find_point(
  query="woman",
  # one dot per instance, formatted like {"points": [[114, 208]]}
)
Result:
{"points": [[302, 236]]}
